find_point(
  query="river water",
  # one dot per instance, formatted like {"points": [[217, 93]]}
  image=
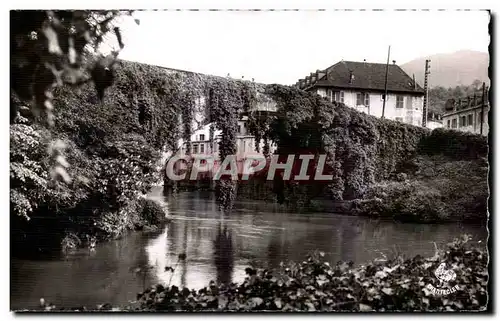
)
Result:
{"points": [[217, 247]]}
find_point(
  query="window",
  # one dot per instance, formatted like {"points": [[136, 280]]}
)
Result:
{"points": [[454, 123], [448, 123], [202, 137], [462, 121], [359, 99], [399, 119], [329, 95], [470, 119], [339, 96], [240, 129], [399, 101], [409, 102], [362, 99], [202, 148], [194, 149]]}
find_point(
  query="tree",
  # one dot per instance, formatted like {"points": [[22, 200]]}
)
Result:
{"points": [[51, 48]]}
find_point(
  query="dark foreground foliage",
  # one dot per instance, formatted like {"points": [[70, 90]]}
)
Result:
{"points": [[314, 285]]}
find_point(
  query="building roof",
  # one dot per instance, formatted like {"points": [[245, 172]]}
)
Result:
{"points": [[367, 76]]}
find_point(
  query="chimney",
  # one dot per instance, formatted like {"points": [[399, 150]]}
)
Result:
{"points": [[394, 62], [351, 77], [313, 78]]}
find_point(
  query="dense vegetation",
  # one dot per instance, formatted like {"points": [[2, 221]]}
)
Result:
{"points": [[113, 146], [406, 168], [396, 284]]}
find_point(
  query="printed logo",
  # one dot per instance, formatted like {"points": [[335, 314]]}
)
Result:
{"points": [[444, 276]]}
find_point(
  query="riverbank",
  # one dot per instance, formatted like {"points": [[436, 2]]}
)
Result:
{"points": [[387, 284]]}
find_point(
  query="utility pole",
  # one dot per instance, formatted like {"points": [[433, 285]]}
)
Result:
{"points": [[426, 92], [385, 86], [482, 107]]}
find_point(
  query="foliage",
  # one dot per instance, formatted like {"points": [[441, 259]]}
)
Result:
{"points": [[431, 189], [314, 285], [456, 145], [366, 154], [52, 48], [361, 149], [226, 99]]}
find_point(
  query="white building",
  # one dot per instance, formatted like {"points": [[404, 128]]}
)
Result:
{"points": [[361, 85], [200, 138]]}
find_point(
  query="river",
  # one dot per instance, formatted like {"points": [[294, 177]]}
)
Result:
{"points": [[218, 248]]}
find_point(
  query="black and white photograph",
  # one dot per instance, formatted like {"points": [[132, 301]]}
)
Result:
{"points": [[250, 160]]}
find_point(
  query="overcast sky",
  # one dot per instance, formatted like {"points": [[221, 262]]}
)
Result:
{"points": [[281, 47]]}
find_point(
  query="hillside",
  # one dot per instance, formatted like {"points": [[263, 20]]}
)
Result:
{"points": [[451, 69]]}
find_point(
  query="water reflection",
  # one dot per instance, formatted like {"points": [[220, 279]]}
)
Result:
{"points": [[220, 247], [223, 254]]}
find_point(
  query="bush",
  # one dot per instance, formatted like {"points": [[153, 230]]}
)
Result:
{"points": [[435, 189], [152, 213]]}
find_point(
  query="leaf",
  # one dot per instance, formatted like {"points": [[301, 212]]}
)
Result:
{"points": [[388, 291], [223, 300], [380, 275], [255, 302], [137, 21], [310, 306], [365, 308], [322, 254], [278, 303], [182, 256], [53, 42]]}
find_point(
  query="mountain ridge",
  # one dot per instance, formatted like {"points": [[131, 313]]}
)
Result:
{"points": [[451, 69]]}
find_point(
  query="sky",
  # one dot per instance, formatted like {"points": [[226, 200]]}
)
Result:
{"points": [[283, 46]]}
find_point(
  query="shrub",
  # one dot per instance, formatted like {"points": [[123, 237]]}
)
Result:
{"points": [[436, 189], [152, 213]]}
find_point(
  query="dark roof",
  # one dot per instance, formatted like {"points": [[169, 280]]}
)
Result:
{"points": [[369, 76]]}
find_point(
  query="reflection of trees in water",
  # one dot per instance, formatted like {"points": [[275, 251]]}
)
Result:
{"points": [[184, 262], [223, 254], [276, 251]]}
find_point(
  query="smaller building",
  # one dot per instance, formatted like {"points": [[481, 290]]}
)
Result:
{"points": [[245, 142], [434, 120], [362, 86], [468, 114]]}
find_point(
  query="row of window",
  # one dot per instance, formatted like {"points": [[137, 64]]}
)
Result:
{"points": [[363, 99], [463, 121], [198, 148]]}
